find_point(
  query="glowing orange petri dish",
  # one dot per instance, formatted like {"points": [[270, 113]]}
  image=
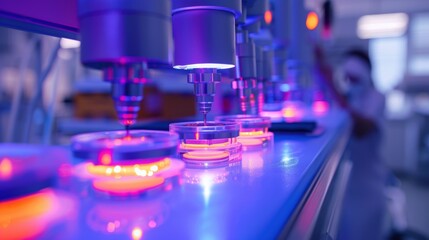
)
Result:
{"points": [[206, 155], [207, 145], [254, 132], [142, 170], [127, 186]]}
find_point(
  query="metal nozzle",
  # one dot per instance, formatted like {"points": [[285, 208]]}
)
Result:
{"points": [[245, 91], [127, 90], [204, 81]]}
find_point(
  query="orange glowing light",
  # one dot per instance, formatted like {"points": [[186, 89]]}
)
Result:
{"points": [[5, 168], [312, 21], [252, 133], [289, 112], [111, 227], [128, 122], [320, 106], [142, 170], [137, 233], [22, 218], [127, 186], [197, 135], [203, 146], [206, 155], [106, 158], [268, 17]]}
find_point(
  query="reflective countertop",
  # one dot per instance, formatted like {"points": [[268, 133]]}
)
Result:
{"points": [[253, 199]]}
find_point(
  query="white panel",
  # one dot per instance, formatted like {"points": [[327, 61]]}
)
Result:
{"points": [[389, 61]]}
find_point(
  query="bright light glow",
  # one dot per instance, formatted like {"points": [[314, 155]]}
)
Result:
{"points": [[106, 158], [127, 186], [206, 155], [25, 218], [382, 25], [396, 101], [289, 112], [116, 171], [5, 168], [69, 43], [285, 87], [206, 181], [320, 106], [268, 17], [253, 133], [204, 65], [203, 146], [312, 21], [137, 233]]}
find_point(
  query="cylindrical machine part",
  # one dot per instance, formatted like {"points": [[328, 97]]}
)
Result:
{"points": [[204, 81], [245, 79], [121, 32], [204, 33], [246, 61], [122, 37]]}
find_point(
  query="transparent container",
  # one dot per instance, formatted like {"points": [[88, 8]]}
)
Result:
{"points": [[121, 164], [210, 145], [254, 134]]}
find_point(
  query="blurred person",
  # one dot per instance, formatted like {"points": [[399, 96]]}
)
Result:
{"points": [[363, 211]]}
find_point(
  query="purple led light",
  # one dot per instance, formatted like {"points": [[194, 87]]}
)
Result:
{"points": [[204, 65]]}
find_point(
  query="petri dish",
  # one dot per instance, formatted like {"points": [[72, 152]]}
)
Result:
{"points": [[208, 145], [254, 130]]}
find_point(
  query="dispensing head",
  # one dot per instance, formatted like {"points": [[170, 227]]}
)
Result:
{"points": [[204, 81], [204, 41], [122, 38], [127, 89]]}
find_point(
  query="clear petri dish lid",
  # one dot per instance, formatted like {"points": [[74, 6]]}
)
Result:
{"points": [[247, 121], [115, 147], [201, 131]]}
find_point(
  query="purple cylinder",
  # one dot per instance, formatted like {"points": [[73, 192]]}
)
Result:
{"points": [[204, 33], [124, 32]]}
